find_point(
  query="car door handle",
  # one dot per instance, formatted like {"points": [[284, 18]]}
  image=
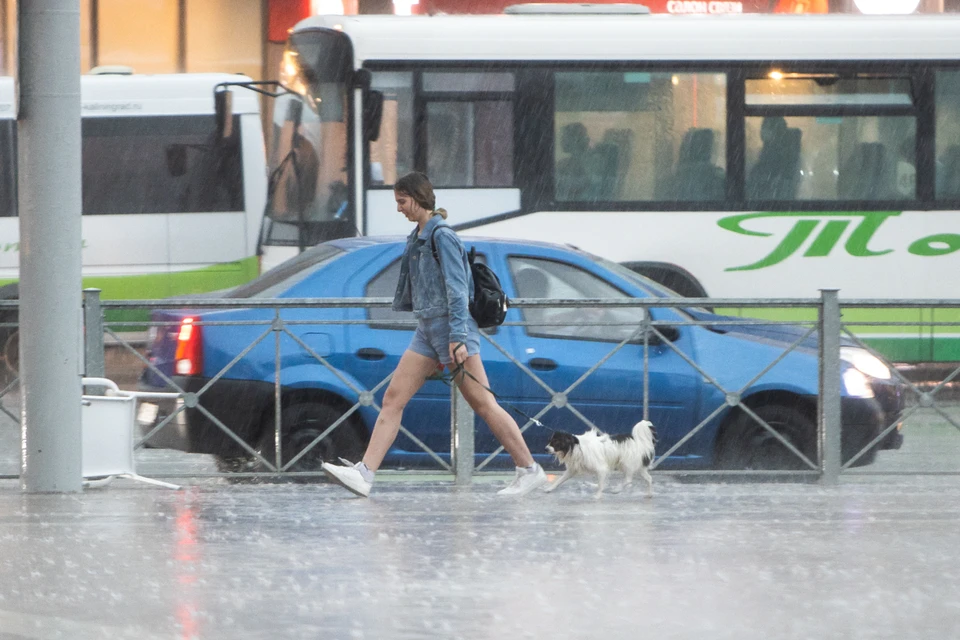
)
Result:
{"points": [[369, 353], [542, 364]]}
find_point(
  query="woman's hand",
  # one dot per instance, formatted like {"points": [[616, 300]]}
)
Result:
{"points": [[458, 352]]}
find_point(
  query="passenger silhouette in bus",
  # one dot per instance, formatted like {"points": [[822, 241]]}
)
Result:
{"points": [[696, 177], [608, 162], [906, 169], [776, 174], [948, 174], [573, 181], [867, 173]]}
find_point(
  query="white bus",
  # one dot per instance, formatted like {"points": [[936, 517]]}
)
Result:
{"points": [[171, 206], [738, 156]]}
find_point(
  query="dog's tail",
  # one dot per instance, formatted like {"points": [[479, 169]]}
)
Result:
{"points": [[644, 432]]}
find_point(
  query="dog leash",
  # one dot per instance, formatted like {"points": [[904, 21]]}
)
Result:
{"points": [[451, 379]]}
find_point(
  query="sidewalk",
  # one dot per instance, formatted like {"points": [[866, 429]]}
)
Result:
{"points": [[868, 559]]}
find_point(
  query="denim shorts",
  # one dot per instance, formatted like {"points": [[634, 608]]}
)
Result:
{"points": [[432, 338]]}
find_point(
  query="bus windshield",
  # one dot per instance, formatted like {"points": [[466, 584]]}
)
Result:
{"points": [[308, 196]]}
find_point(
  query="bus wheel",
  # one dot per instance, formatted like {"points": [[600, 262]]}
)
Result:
{"points": [[746, 445], [301, 424]]}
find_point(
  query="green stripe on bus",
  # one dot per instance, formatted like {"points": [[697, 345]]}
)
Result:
{"points": [[920, 342], [156, 286]]}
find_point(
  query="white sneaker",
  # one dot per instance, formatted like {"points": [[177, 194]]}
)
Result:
{"points": [[524, 482], [348, 477]]}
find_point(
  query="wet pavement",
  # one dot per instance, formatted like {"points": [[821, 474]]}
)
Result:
{"points": [[419, 559], [876, 557]]}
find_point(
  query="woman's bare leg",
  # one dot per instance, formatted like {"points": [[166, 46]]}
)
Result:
{"points": [[485, 405], [409, 376]]}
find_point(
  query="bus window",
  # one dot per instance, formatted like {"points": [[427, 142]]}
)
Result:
{"points": [[127, 166], [630, 136], [468, 82], [948, 135], [830, 158], [833, 151], [470, 144], [391, 154], [469, 128], [780, 88]]}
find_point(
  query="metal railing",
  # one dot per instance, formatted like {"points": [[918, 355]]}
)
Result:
{"points": [[358, 398], [359, 401]]}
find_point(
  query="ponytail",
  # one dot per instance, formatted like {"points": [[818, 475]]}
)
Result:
{"points": [[441, 212]]}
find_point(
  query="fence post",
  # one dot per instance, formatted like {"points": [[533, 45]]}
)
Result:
{"points": [[94, 362], [461, 437], [829, 418]]}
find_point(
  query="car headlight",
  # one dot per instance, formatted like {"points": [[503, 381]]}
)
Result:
{"points": [[857, 383], [865, 362]]}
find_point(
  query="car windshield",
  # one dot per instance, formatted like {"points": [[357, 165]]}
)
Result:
{"points": [[285, 275]]}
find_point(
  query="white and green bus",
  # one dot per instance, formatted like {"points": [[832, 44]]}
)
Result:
{"points": [[171, 205], [738, 156]]}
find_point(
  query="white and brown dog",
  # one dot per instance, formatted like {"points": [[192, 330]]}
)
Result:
{"points": [[600, 453]]}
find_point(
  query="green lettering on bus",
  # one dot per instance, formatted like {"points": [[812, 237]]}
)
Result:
{"points": [[933, 245], [825, 241]]}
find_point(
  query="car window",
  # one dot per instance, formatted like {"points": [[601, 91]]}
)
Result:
{"points": [[384, 285], [287, 274], [537, 278]]}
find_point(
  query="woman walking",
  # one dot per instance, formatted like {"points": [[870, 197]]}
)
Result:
{"points": [[439, 296]]}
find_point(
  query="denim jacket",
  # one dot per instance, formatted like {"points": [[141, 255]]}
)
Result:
{"points": [[426, 290]]}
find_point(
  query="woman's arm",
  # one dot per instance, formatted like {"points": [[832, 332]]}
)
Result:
{"points": [[455, 278]]}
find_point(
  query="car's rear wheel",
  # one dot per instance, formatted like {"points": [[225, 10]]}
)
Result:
{"points": [[746, 445], [301, 423]]}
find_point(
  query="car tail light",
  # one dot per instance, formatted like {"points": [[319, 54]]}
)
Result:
{"points": [[189, 359]]}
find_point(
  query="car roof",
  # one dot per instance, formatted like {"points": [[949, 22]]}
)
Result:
{"points": [[360, 242]]}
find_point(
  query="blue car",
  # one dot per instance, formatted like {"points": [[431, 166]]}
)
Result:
{"points": [[533, 365]]}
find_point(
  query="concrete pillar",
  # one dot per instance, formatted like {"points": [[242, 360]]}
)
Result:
{"points": [[49, 192]]}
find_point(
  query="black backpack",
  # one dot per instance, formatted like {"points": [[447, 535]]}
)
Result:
{"points": [[489, 304]]}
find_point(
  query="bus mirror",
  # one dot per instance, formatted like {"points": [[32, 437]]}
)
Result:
{"points": [[177, 160], [372, 114], [295, 113], [223, 106]]}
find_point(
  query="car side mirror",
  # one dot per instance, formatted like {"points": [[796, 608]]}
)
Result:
{"points": [[223, 108], [670, 333], [176, 160], [372, 114]]}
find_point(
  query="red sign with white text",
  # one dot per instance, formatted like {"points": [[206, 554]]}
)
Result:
{"points": [[678, 7]]}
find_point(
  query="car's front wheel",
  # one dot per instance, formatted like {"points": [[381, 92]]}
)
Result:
{"points": [[745, 444]]}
